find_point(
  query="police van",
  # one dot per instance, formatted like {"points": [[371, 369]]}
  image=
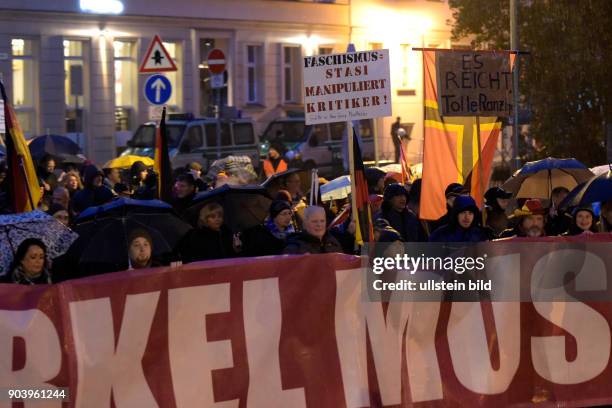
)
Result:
{"points": [[195, 140], [313, 146]]}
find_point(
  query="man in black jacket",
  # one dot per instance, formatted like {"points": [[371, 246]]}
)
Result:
{"points": [[403, 220], [94, 193], [184, 191]]}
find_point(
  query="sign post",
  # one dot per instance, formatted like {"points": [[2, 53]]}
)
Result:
{"points": [[216, 66]]}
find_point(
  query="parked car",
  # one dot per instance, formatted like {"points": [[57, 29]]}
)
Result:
{"points": [[313, 146], [195, 140]]}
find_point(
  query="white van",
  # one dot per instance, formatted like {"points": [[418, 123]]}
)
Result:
{"points": [[195, 140], [317, 146]]}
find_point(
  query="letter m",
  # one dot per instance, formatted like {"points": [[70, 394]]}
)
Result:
{"points": [[407, 327]]}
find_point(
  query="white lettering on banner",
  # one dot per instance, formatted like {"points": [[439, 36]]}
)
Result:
{"points": [[102, 367], [262, 328], [467, 338], [43, 352], [192, 356], [417, 320], [589, 328]]}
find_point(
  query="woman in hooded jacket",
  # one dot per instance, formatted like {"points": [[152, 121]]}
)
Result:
{"points": [[583, 221]]}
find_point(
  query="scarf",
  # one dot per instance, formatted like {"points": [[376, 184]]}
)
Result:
{"points": [[21, 278], [274, 230]]}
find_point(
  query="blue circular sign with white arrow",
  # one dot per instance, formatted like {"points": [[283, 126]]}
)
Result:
{"points": [[157, 89]]}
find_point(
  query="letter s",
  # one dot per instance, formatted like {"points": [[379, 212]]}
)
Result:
{"points": [[589, 328]]}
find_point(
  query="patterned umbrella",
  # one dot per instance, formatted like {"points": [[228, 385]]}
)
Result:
{"points": [[15, 228]]}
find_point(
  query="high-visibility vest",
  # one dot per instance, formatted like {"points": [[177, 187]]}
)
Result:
{"points": [[269, 169]]}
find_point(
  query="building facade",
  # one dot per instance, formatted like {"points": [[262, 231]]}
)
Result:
{"points": [[73, 71]]}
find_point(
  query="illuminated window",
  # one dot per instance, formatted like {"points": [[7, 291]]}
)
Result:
{"points": [[326, 50], [73, 73], [174, 49], [376, 46], [292, 81], [254, 73], [409, 67], [74, 84], [125, 83], [23, 81]]}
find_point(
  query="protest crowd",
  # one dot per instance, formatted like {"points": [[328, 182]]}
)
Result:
{"points": [[289, 225]]}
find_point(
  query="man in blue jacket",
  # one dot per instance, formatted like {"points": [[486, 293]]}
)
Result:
{"points": [[464, 224]]}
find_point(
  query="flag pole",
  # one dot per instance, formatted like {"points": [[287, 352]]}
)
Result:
{"points": [[349, 132], [27, 183], [481, 180]]}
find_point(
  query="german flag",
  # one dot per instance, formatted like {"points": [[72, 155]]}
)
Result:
{"points": [[451, 153], [406, 172], [162, 165], [364, 231], [24, 188]]}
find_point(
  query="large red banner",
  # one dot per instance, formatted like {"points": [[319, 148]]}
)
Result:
{"points": [[295, 331]]}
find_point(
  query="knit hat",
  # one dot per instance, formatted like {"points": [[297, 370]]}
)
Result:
{"points": [[139, 232], [494, 193], [137, 167], [465, 203], [278, 146], [277, 207], [455, 189], [587, 208], [393, 190]]}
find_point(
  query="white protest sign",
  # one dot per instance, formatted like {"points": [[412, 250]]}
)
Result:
{"points": [[343, 87]]}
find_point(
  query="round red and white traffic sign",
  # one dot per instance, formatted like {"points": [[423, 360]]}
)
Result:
{"points": [[216, 61]]}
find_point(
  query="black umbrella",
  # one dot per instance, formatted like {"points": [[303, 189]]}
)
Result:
{"points": [[596, 189], [55, 145], [277, 181], [243, 206], [104, 230]]}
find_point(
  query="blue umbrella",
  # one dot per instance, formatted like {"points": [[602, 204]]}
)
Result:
{"points": [[596, 189], [537, 179], [15, 228], [54, 145], [124, 206]]}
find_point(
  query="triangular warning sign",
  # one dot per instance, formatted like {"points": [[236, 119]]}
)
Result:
{"points": [[157, 58]]}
